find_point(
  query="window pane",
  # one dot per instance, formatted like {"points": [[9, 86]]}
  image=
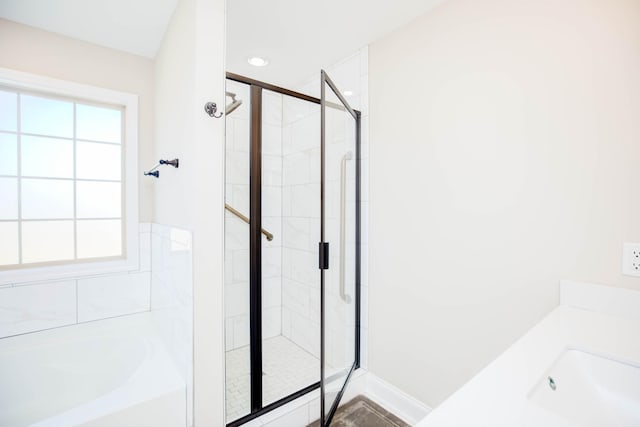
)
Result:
{"points": [[47, 157], [46, 116], [8, 111], [98, 199], [47, 199], [97, 161], [98, 124], [9, 243], [99, 238], [8, 153], [47, 241], [8, 198]]}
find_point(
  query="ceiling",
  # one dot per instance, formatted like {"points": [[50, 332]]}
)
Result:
{"points": [[299, 37], [134, 26]]}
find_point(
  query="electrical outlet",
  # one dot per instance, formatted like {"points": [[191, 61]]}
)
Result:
{"points": [[631, 259]]}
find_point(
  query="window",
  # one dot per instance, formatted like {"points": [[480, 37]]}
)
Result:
{"points": [[64, 188]]}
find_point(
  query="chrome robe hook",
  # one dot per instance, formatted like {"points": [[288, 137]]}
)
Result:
{"points": [[211, 109]]}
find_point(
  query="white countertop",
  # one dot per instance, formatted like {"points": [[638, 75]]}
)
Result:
{"points": [[593, 318]]}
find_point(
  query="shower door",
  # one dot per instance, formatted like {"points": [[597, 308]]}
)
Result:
{"points": [[339, 247], [286, 183]]}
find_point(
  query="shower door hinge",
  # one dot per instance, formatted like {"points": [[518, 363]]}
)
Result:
{"points": [[324, 255]]}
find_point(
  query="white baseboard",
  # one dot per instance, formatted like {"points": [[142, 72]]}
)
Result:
{"points": [[395, 400]]}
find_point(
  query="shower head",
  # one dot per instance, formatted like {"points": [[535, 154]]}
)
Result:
{"points": [[235, 103]]}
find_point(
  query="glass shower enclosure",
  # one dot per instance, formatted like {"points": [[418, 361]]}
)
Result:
{"points": [[291, 245]]}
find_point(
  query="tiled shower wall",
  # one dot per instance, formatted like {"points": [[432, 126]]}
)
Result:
{"points": [[237, 231], [272, 179], [301, 201], [301, 224], [291, 209]]}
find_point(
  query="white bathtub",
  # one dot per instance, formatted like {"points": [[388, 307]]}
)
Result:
{"points": [[113, 372]]}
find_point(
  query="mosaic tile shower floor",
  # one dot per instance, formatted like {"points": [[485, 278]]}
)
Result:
{"points": [[286, 368]]}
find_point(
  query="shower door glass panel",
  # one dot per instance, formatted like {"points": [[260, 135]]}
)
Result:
{"points": [[291, 214], [237, 143], [339, 138]]}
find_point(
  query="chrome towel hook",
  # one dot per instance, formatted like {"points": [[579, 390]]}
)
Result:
{"points": [[211, 109]]}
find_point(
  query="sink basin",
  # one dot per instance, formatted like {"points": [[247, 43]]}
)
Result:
{"points": [[590, 390]]}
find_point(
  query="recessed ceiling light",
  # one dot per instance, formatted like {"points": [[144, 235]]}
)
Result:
{"points": [[258, 61], [347, 93]]}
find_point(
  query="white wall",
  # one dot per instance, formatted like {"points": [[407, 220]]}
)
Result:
{"points": [[44, 53], [504, 157], [189, 71]]}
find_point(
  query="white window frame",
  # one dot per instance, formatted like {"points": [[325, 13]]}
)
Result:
{"points": [[32, 82]]}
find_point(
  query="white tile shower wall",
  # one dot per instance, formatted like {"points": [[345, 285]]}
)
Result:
{"points": [[237, 231], [291, 206], [31, 307], [272, 213], [301, 223]]}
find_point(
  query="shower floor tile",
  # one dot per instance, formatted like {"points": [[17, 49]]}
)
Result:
{"points": [[286, 369]]}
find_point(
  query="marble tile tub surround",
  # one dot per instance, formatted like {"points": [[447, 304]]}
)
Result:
{"points": [[596, 319], [34, 306], [171, 299], [162, 284], [31, 307]]}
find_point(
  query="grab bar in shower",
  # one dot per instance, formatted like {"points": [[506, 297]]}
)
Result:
{"points": [[245, 219], [343, 228]]}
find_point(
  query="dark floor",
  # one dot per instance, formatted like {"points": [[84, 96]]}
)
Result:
{"points": [[362, 412]]}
